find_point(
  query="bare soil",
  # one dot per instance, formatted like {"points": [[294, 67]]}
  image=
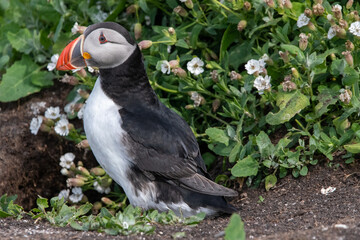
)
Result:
{"points": [[294, 209]]}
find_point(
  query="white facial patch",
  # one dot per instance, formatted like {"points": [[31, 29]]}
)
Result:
{"points": [[110, 53]]}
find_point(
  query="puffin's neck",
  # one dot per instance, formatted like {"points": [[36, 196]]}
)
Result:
{"points": [[128, 83]]}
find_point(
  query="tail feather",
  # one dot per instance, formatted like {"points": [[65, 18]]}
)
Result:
{"points": [[201, 184]]}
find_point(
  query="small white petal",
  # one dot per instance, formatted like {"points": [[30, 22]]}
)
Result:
{"points": [[355, 28], [52, 112], [61, 127], [331, 33], [195, 66], [35, 124], [75, 28], [165, 67], [302, 21]]}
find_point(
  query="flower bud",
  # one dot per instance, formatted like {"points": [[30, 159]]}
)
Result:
{"points": [[97, 206], [284, 56], [107, 201], [75, 182], [311, 26], [280, 4], [80, 163], [181, 11], [349, 4], [241, 25], [45, 128], [348, 58], [343, 24], [181, 73], [332, 57], [331, 19], [234, 75], [83, 93], [303, 42], [48, 122], [308, 12], [295, 73], [349, 45], [189, 4], [81, 73], [145, 44], [83, 144], [97, 171], [247, 6], [69, 80], [318, 9], [216, 104], [345, 95], [319, 1], [189, 107], [340, 32], [137, 30], [174, 64], [83, 171], [213, 54], [71, 126], [214, 76], [336, 9], [64, 172], [270, 3], [288, 4], [171, 30], [355, 15], [288, 86], [131, 9]]}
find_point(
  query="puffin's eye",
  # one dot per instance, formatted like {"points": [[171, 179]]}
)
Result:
{"points": [[102, 39]]}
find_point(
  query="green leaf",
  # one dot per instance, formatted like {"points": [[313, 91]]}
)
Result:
{"points": [[4, 60], [294, 50], [42, 203], [337, 67], [181, 43], [42, 79], [217, 135], [304, 171], [326, 98], [353, 148], [245, 167], [83, 209], [16, 82], [143, 5], [266, 148], [235, 229], [235, 152], [20, 40], [4, 214], [230, 35], [195, 35], [270, 181], [179, 235], [290, 104], [58, 29], [195, 219]]}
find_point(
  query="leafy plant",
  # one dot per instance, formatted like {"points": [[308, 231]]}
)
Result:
{"points": [[8, 208]]}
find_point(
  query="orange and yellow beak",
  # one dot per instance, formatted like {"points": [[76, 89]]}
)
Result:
{"points": [[72, 57]]}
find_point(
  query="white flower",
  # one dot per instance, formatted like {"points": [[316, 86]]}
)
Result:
{"points": [[147, 20], [168, 49], [35, 124], [77, 195], [331, 33], [262, 83], [75, 28], [197, 98], [100, 188], [265, 57], [80, 113], [345, 95], [64, 194], [327, 190], [70, 107], [61, 127], [183, 0], [252, 66], [37, 107], [355, 28], [337, 7], [125, 225], [302, 21], [52, 112], [52, 65], [90, 69], [165, 67], [66, 160], [195, 66]]}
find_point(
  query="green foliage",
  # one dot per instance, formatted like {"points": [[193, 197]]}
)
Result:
{"points": [[8, 208], [235, 229], [129, 221]]}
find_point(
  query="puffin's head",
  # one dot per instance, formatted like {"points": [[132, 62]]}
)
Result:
{"points": [[103, 45]]}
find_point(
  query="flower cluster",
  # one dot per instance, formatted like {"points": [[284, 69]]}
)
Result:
{"points": [[80, 178], [257, 67]]}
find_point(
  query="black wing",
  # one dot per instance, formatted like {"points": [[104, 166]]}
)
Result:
{"points": [[163, 144]]}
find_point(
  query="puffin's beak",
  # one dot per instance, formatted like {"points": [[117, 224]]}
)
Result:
{"points": [[71, 57]]}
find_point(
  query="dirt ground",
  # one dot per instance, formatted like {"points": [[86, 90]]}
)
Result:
{"points": [[294, 209]]}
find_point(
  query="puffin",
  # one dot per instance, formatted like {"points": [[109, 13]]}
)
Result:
{"points": [[146, 148]]}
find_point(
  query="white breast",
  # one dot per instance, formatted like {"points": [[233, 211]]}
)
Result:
{"points": [[102, 123]]}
